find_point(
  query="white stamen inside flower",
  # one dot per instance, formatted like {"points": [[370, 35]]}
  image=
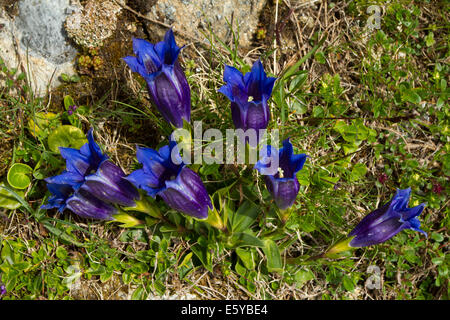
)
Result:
{"points": [[250, 98], [281, 173]]}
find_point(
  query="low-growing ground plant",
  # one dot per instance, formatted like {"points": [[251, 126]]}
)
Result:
{"points": [[94, 205]]}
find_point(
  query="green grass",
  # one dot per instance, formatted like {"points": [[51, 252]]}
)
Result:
{"points": [[365, 105]]}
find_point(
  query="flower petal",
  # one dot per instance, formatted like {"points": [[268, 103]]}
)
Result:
{"points": [[108, 184], [146, 55], [401, 199], [135, 65], [284, 191], [187, 194], [86, 205], [74, 179], [168, 50], [381, 233], [75, 161], [60, 193], [233, 76], [258, 115]]}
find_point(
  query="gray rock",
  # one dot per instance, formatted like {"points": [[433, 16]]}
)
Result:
{"points": [[190, 16], [94, 24], [35, 41], [41, 25]]}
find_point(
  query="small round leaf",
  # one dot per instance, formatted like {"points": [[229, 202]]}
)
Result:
{"points": [[19, 176]]}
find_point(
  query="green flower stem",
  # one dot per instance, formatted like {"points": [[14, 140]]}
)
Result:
{"points": [[143, 205], [127, 220], [339, 247], [215, 220], [284, 214]]}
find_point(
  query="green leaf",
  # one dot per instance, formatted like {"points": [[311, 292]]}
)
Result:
{"points": [[247, 256], [299, 107], [240, 269], [186, 260], [68, 101], [429, 39], [303, 177], [303, 276], [41, 123], [204, 255], [437, 237], [274, 262], [62, 234], [61, 253], [438, 260], [210, 169], [243, 239], [65, 77], [411, 96], [22, 266], [75, 78], [298, 81], [138, 294], [66, 136], [320, 57], [318, 112], [348, 283], [358, 172], [244, 217], [19, 176], [7, 199]]}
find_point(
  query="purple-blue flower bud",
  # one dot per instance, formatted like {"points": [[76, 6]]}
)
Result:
{"points": [[385, 222], [248, 94], [180, 187], [90, 185], [281, 182], [166, 81]]}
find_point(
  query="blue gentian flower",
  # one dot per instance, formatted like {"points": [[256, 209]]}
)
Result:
{"points": [[248, 94], [91, 184], [281, 180], [108, 184], [79, 163], [60, 194], [166, 81], [86, 205], [385, 222], [164, 174]]}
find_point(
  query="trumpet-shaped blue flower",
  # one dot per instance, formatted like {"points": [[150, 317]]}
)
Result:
{"points": [[166, 81], [60, 194], [164, 174], [86, 205], [90, 185], [248, 94], [79, 163], [108, 184], [385, 222], [281, 180]]}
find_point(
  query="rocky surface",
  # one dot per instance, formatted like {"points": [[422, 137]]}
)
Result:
{"points": [[34, 41], [94, 23], [194, 16], [44, 37]]}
